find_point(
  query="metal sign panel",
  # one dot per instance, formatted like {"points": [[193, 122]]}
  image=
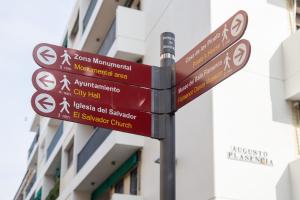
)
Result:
{"points": [[88, 64], [223, 37], [92, 89], [212, 73], [84, 111]]}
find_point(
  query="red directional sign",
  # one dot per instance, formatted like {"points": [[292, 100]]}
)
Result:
{"points": [[88, 64], [93, 89], [83, 111], [212, 73], [212, 45]]}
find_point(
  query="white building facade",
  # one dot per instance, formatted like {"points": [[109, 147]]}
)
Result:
{"points": [[238, 141]]}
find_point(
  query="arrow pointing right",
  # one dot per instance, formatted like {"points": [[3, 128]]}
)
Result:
{"points": [[237, 25], [45, 55], [43, 102], [240, 54]]}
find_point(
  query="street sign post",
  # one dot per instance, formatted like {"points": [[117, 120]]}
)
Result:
{"points": [[88, 64], [212, 73], [115, 94], [167, 144], [216, 42], [84, 111]]}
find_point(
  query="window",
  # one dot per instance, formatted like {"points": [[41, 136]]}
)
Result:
{"points": [[69, 151], [75, 28], [119, 187], [65, 42], [298, 14], [134, 4], [133, 182]]}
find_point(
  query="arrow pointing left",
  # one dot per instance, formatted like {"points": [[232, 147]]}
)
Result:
{"points": [[44, 103], [45, 80], [46, 55]]}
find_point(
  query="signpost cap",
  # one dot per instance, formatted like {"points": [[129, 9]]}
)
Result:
{"points": [[167, 43]]}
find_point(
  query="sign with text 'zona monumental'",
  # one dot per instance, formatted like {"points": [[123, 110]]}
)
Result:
{"points": [[92, 89], [84, 111], [88, 64], [212, 73], [216, 42]]}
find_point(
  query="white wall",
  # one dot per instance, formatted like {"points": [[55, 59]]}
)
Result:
{"points": [[291, 48], [295, 179], [250, 108]]}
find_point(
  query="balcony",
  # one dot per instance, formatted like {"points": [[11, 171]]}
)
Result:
{"points": [[108, 157], [91, 146], [291, 49], [55, 139], [117, 148], [96, 23], [126, 35], [125, 197]]}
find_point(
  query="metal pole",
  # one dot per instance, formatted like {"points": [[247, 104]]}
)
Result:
{"points": [[167, 145]]}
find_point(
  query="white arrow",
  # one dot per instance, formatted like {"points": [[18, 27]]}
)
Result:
{"points": [[237, 25], [46, 55], [45, 80], [45, 103], [239, 54]]}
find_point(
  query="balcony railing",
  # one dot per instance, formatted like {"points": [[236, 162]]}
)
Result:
{"points": [[54, 192], [109, 39], [34, 142], [91, 146], [55, 139], [116, 196], [88, 13], [31, 183]]}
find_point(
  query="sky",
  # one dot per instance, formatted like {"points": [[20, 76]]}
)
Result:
{"points": [[23, 24]]}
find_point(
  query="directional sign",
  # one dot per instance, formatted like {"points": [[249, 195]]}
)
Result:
{"points": [[69, 108], [88, 64], [93, 89], [212, 73], [212, 45]]}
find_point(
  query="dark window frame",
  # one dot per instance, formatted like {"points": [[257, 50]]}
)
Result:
{"points": [[119, 186], [133, 190], [70, 153], [75, 28]]}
